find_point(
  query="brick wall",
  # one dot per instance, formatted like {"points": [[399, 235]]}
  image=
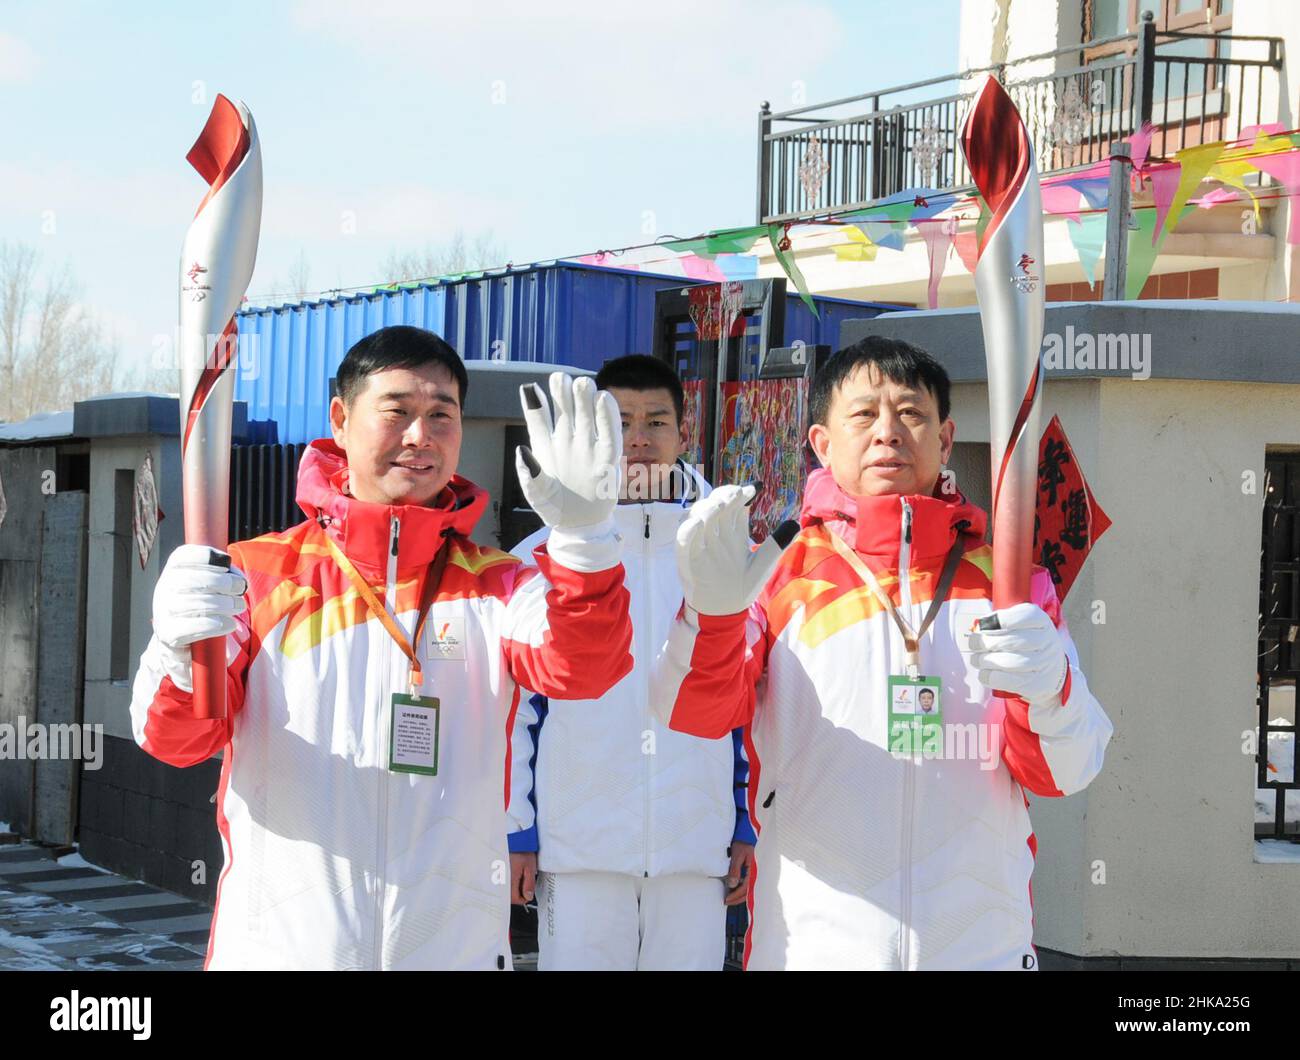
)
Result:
{"points": [[151, 821], [1197, 285]]}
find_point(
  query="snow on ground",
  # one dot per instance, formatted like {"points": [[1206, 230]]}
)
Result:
{"points": [[1277, 852], [76, 861]]}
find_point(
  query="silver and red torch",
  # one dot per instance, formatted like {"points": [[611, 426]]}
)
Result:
{"points": [[216, 264], [1009, 288]]}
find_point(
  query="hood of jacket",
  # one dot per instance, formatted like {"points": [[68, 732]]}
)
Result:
{"points": [[873, 526], [363, 530]]}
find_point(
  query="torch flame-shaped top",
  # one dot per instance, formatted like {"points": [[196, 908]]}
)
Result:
{"points": [[998, 152], [218, 255], [220, 148]]}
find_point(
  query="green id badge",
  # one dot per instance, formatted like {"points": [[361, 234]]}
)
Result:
{"points": [[413, 743], [915, 718]]}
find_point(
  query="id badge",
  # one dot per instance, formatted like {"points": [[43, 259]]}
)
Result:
{"points": [[413, 743], [915, 717]]}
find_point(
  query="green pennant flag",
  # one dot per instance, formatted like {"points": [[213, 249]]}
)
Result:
{"points": [[986, 215], [1141, 254], [725, 241], [775, 233], [1088, 235]]}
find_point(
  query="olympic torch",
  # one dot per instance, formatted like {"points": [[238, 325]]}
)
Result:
{"points": [[216, 264], [1009, 288]]}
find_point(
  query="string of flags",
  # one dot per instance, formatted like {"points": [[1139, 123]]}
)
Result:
{"points": [[942, 219]]}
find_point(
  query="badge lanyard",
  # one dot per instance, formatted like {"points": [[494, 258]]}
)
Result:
{"points": [[911, 641], [382, 613]]}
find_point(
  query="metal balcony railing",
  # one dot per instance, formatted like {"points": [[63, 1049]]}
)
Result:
{"points": [[852, 152]]}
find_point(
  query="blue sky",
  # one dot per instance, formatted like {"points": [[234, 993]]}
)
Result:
{"points": [[558, 128]]}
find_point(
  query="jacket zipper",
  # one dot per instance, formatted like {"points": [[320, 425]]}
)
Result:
{"points": [[909, 780], [647, 588], [381, 885]]}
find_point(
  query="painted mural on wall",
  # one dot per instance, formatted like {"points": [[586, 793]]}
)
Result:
{"points": [[763, 440]]}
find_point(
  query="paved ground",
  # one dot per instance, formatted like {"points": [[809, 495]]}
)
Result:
{"points": [[73, 916]]}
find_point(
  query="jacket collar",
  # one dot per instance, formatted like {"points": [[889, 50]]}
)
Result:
{"points": [[657, 521], [363, 530], [873, 526]]}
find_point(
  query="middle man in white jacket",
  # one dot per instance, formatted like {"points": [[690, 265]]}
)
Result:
{"points": [[640, 833]]}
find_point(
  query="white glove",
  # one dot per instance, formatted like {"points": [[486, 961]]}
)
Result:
{"points": [[1018, 650], [720, 575], [569, 470], [197, 596]]}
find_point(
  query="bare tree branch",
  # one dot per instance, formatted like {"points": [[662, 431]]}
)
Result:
{"points": [[53, 351], [17, 266], [458, 256]]}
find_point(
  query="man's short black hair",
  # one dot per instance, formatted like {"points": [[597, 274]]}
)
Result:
{"points": [[895, 359], [397, 346], [640, 371], [926, 691]]}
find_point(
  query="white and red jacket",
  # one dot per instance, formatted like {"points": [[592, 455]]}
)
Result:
{"points": [[331, 860], [867, 859], [605, 786]]}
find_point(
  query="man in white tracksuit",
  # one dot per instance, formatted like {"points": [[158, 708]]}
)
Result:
{"points": [[628, 821]]}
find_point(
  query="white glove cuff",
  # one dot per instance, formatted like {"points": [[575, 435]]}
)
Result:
{"points": [[1054, 699], [586, 549]]}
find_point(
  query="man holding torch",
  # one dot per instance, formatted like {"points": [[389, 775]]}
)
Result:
{"points": [[888, 838], [892, 838], [374, 662]]}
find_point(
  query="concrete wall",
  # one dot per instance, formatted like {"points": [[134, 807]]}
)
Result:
{"points": [[482, 461], [138, 816], [20, 558], [1176, 666], [1156, 857], [107, 699], [1000, 31], [60, 637], [42, 585]]}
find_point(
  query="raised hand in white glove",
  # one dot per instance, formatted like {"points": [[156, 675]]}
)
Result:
{"points": [[720, 574], [197, 596], [569, 469], [1018, 650]]}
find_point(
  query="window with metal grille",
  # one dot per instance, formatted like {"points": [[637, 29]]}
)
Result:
{"points": [[263, 485], [1277, 797]]}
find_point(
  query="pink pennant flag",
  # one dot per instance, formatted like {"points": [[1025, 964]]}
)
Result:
{"points": [[1140, 146], [967, 246], [600, 258], [698, 268], [938, 242], [1253, 132], [1215, 197], [1062, 200], [1285, 168]]}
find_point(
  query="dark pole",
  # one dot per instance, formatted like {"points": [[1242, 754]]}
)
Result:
{"points": [[1144, 72], [1115, 280]]}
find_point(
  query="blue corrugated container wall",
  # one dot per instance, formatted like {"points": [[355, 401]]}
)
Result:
{"points": [[578, 315]]}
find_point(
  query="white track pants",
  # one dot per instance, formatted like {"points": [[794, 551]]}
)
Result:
{"points": [[607, 921]]}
